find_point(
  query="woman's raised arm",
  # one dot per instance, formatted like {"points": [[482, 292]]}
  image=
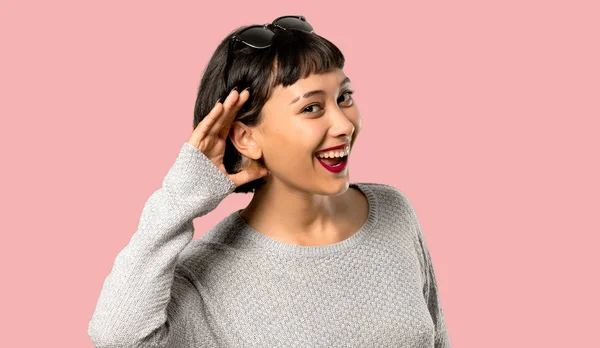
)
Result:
{"points": [[138, 293]]}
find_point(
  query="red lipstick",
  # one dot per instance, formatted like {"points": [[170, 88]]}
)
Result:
{"points": [[338, 167]]}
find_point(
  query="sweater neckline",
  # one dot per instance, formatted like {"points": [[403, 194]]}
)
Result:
{"points": [[264, 242]]}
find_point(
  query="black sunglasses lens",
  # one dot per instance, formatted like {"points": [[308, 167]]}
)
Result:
{"points": [[294, 23], [258, 37]]}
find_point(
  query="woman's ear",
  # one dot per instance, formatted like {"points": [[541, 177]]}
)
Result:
{"points": [[243, 138]]}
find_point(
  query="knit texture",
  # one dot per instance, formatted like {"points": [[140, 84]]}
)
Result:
{"points": [[235, 287]]}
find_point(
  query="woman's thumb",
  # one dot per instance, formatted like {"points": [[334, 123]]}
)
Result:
{"points": [[252, 171]]}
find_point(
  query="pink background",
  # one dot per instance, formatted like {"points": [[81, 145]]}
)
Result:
{"points": [[486, 115]]}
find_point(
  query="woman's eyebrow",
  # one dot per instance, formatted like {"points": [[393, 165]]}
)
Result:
{"points": [[319, 91]]}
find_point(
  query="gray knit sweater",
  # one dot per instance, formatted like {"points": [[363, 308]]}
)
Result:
{"points": [[235, 287]]}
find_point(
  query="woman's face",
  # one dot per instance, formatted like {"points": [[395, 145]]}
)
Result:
{"points": [[296, 125]]}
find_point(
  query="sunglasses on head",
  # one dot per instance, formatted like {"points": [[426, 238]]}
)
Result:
{"points": [[261, 36]]}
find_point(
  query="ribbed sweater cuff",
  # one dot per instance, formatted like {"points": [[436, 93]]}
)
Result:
{"points": [[195, 175]]}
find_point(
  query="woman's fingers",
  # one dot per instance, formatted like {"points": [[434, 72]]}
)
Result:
{"points": [[232, 113], [221, 116], [214, 122], [253, 171], [229, 111], [207, 123]]}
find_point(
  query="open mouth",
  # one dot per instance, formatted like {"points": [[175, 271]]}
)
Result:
{"points": [[336, 163], [333, 162]]}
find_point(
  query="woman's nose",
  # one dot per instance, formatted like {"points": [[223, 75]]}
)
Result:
{"points": [[340, 124]]}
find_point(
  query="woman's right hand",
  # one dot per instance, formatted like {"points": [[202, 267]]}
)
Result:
{"points": [[211, 134]]}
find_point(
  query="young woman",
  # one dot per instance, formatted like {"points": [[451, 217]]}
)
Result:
{"points": [[313, 260]]}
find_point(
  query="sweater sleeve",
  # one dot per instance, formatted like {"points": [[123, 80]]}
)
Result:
{"points": [[136, 298], [430, 290]]}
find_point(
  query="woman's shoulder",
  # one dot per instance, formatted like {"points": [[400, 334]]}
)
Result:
{"points": [[392, 201], [387, 193]]}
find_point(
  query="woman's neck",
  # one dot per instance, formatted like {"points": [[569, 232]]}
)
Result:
{"points": [[304, 218]]}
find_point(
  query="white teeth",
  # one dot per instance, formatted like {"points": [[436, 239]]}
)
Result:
{"points": [[336, 153]]}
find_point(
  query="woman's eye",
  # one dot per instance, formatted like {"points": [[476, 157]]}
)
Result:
{"points": [[349, 99], [349, 94], [310, 106]]}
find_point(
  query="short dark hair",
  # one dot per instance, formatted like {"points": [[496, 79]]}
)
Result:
{"points": [[293, 55]]}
